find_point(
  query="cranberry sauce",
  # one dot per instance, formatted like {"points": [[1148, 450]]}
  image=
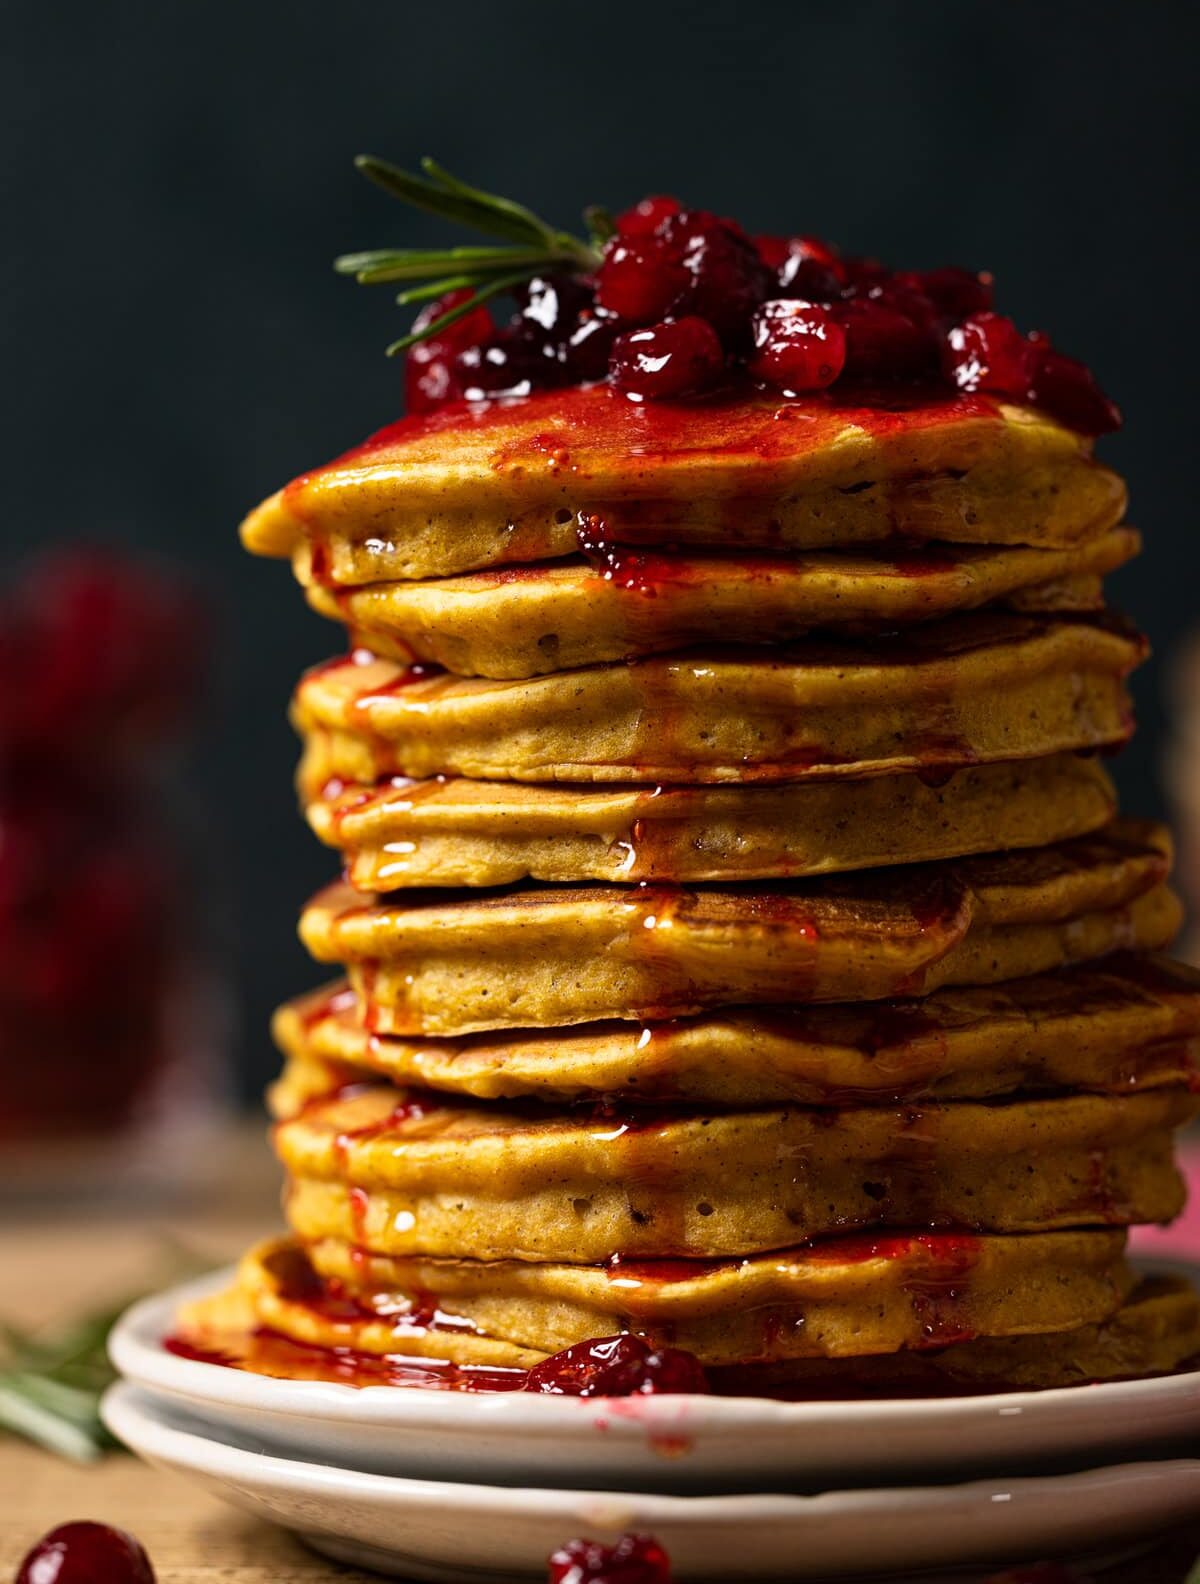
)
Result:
{"points": [[936, 1280], [633, 1559], [684, 302]]}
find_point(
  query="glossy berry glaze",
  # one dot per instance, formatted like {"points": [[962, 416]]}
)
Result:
{"points": [[619, 1366], [86, 1553], [685, 302], [633, 1559]]}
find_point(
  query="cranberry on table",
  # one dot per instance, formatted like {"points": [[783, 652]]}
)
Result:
{"points": [[633, 1559], [797, 345], [617, 1366], [676, 358], [86, 1553]]}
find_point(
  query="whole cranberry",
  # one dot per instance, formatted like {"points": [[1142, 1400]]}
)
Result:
{"points": [[956, 294], [586, 350], [725, 279], [431, 377], [647, 215], [797, 345], [987, 352], [811, 269], [881, 342], [1069, 391], [639, 279], [617, 1366], [86, 1553], [676, 358], [903, 297], [504, 365], [549, 306], [634, 1559]]}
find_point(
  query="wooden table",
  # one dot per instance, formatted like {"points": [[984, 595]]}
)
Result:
{"points": [[58, 1263]]}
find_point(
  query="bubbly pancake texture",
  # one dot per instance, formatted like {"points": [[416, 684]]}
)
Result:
{"points": [[552, 956], [500, 483], [487, 833], [399, 1172], [525, 621], [970, 689], [1126, 1024]]}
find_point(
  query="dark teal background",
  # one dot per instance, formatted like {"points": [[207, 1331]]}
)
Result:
{"points": [[175, 179]]}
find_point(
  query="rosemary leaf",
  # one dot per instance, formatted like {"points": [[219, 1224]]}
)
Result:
{"points": [[437, 288], [600, 223], [450, 205], [371, 269], [517, 213], [67, 1425], [536, 247], [492, 289]]}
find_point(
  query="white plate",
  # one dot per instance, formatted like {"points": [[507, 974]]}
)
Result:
{"points": [[423, 1529], [646, 1443]]}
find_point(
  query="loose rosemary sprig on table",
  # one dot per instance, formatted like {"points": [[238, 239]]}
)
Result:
{"points": [[50, 1389], [51, 1383], [526, 245]]}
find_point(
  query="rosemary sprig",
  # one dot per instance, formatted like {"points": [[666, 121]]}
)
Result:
{"points": [[50, 1389], [527, 245], [51, 1386]]}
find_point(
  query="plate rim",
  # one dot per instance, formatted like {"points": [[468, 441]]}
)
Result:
{"points": [[136, 1350], [124, 1398]]}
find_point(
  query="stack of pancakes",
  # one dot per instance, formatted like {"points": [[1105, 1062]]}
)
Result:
{"points": [[741, 945]]}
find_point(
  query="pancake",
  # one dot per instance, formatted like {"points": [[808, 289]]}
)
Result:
{"points": [[490, 833], [523, 621], [539, 957], [1128, 1024], [406, 1172], [499, 483], [978, 688], [1156, 1331], [850, 1297]]}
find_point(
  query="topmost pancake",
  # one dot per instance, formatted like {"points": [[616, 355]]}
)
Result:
{"points": [[506, 481]]}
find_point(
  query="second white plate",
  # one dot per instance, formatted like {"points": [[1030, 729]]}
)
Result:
{"points": [[648, 1443], [432, 1530]]}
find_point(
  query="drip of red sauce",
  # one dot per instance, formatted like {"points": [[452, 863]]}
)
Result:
{"points": [[633, 1559], [617, 1366]]}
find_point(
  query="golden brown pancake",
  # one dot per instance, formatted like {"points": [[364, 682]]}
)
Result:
{"points": [[1155, 1331], [398, 1172], [539, 957], [978, 688], [1126, 1024], [524, 621], [470, 833], [849, 1298], [506, 482]]}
